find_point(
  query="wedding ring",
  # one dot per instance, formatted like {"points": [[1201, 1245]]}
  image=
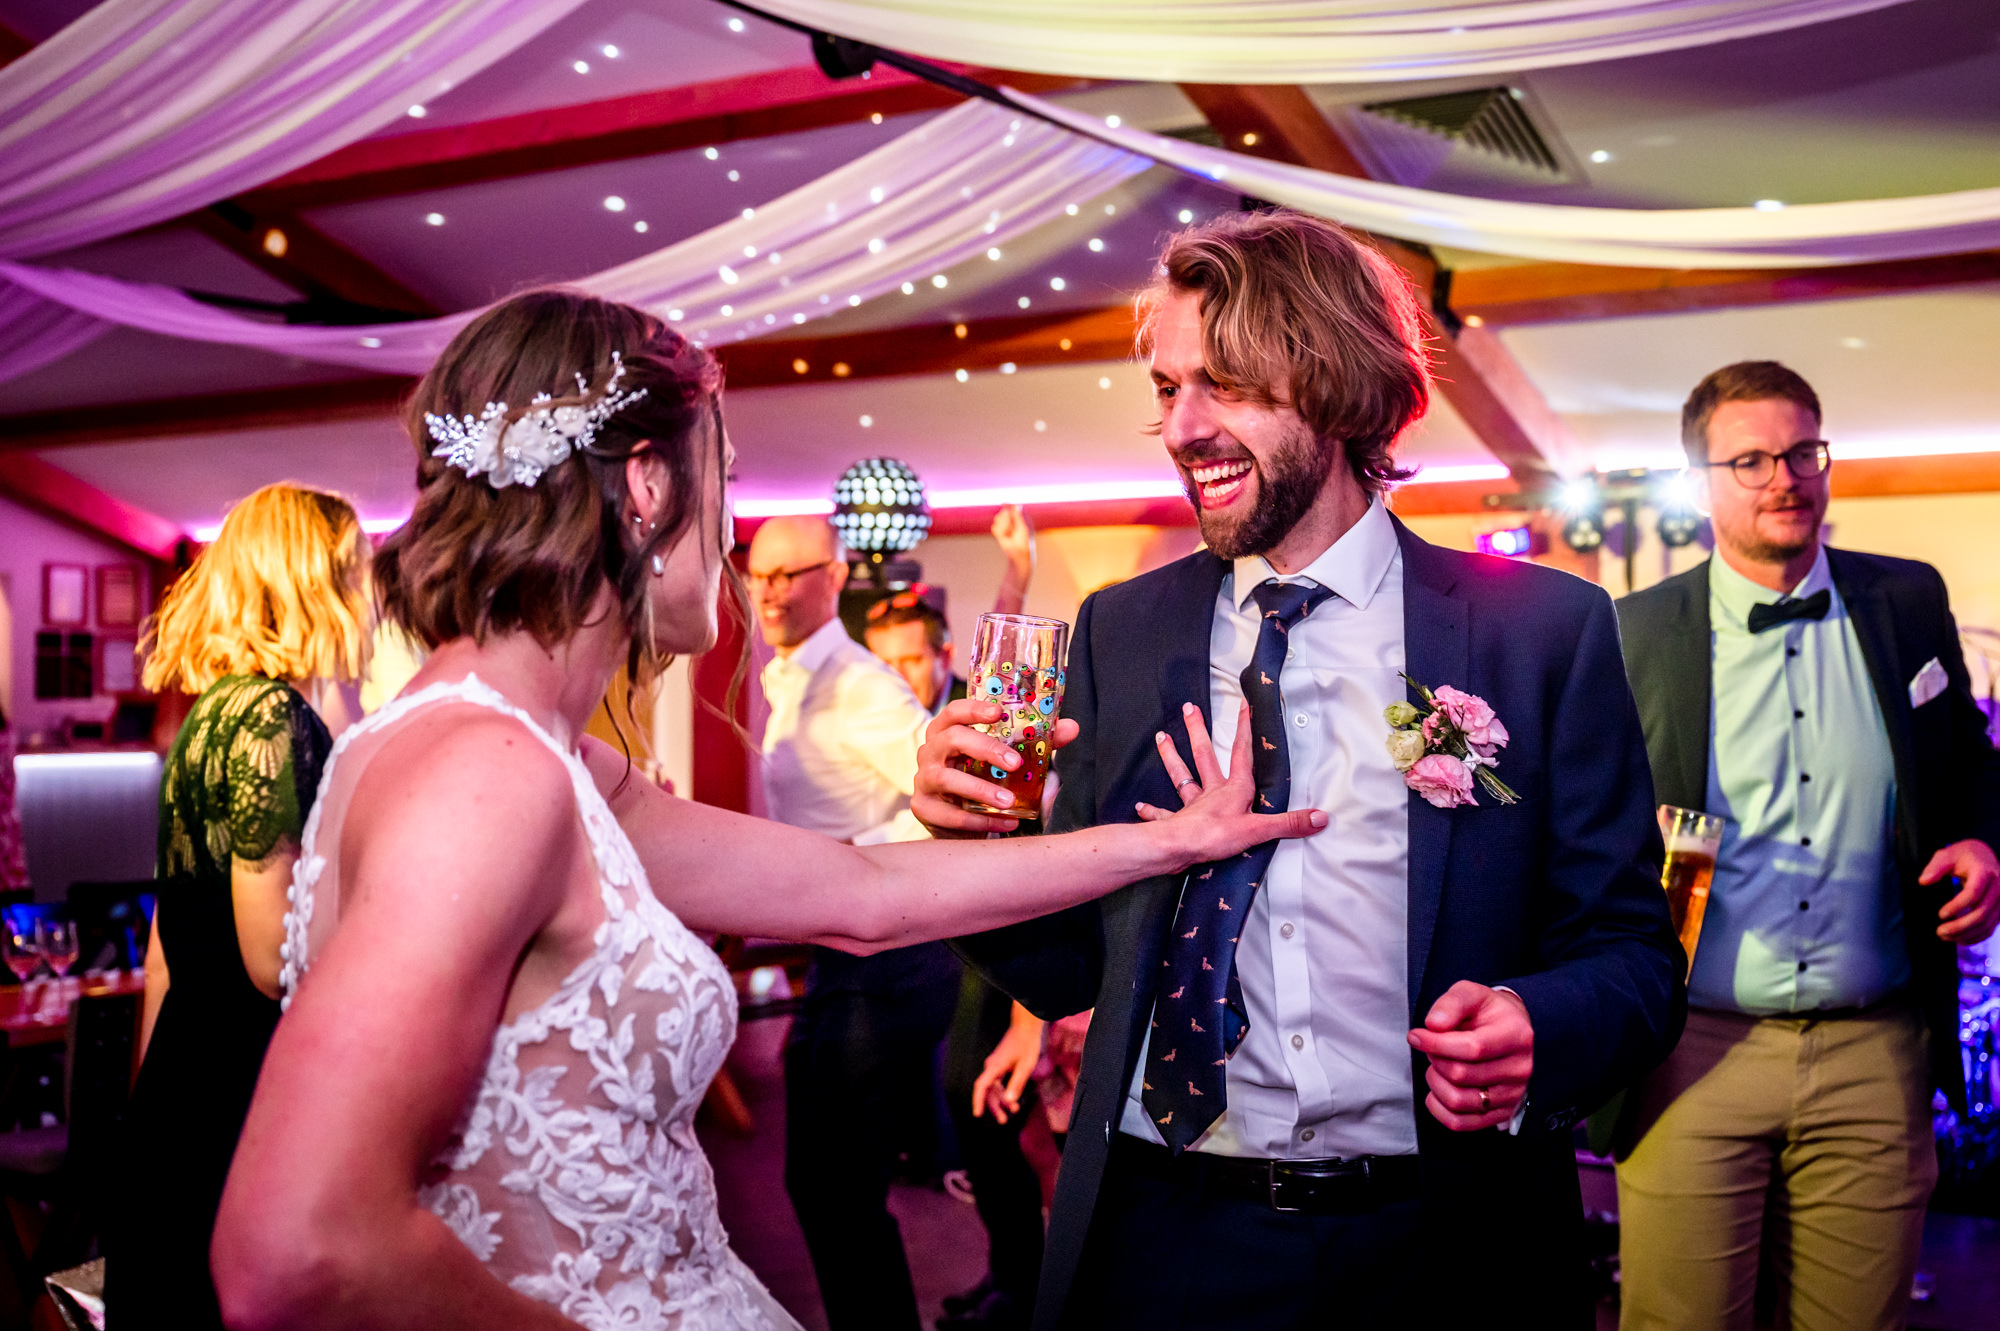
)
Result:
{"points": [[1485, 1101], [1185, 784]]}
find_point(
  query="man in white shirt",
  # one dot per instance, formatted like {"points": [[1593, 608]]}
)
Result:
{"points": [[1333, 1084], [840, 754]]}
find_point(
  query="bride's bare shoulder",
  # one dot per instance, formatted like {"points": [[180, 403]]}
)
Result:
{"points": [[471, 763]]}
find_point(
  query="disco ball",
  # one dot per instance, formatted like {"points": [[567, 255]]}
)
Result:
{"points": [[879, 508]]}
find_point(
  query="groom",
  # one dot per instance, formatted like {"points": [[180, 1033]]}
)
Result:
{"points": [[1333, 1083]]}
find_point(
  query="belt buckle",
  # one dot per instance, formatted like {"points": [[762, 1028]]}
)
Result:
{"points": [[1336, 1169], [1272, 1167]]}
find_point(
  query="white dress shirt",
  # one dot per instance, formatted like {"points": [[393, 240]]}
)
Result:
{"points": [[1324, 962], [840, 748]]}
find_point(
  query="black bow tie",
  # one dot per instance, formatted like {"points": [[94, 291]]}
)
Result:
{"points": [[1812, 607]]}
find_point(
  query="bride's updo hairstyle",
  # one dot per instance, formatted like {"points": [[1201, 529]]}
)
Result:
{"points": [[476, 560]]}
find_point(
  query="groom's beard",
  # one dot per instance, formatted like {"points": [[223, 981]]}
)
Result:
{"points": [[1287, 486]]}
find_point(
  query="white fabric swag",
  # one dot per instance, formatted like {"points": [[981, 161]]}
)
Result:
{"points": [[1800, 236], [941, 194], [1299, 41], [144, 110]]}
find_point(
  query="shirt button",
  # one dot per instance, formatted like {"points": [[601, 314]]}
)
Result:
{"points": [[1298, 1042], [1798, 715], [1802, 965], [1791, 651], [1286, 930], [1804, 905], [1306, 1136], [1299, 719], [1805, 776], [1805, 841]]}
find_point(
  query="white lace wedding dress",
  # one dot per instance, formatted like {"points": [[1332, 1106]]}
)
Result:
{"points": [[575, 1173]]}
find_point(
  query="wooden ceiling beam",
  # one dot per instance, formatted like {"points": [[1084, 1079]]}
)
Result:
{"points": [[751, 106], [1515, 295], [54, 491], [266, 408], [12, 45], [1472, 368], [304, 258]]}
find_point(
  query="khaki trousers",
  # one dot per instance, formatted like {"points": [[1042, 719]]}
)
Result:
{"points": [[1806, 1138]]}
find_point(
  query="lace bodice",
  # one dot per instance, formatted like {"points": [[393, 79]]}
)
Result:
{"points": [[575, 1173]]}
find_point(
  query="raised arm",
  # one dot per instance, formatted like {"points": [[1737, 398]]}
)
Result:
{"points": [[461, 852], [725, 872]]}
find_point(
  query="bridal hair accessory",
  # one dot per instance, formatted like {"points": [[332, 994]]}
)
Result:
{"points": [[519, 451], [1446, 747]]}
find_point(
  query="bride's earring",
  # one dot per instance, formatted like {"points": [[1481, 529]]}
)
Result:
{"points": [[659, 567]]}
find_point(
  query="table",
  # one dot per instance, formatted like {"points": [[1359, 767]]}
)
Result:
{"points": [[38, 1013]]}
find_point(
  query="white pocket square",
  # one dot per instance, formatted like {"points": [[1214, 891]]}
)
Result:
{"points": [[1928, 683]]}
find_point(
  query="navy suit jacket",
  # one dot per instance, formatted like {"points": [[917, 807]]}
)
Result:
{"points": [[1947, 773], [1556, 897]]}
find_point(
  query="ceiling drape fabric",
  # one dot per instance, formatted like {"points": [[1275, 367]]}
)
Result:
{"points": [[965, 181], [35, 332], [145, 110], [1299, 41], [1799, 236]]}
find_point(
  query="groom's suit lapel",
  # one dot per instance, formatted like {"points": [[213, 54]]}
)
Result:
{"points": [[1436, 651], [1135, 921]]}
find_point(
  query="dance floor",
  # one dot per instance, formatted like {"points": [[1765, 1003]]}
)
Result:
{"points": [[943, 1236], [947, 1247]]}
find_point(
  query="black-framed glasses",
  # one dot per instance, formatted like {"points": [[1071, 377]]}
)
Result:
{"points": [[780, 580], [1753, 470]]}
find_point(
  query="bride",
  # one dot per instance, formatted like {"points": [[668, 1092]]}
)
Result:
{"points": [[478, 1111]]}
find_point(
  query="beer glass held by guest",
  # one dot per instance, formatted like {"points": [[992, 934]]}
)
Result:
{"points": [[1692, 838], [272, 618]]}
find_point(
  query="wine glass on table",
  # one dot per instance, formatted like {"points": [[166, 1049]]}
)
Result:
{"points": [[23, 957], [58, 943]]}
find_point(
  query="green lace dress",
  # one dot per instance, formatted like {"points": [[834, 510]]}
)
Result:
{"points": [[237, 786]]}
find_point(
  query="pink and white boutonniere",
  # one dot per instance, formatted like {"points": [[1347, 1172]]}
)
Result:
{"points": [[1445, 747]]}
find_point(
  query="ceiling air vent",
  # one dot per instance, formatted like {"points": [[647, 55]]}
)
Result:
{"points": [[1492, 121]]}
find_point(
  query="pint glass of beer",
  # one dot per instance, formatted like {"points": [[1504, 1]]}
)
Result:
{"points": [[1693, 838], [1017, 662]]}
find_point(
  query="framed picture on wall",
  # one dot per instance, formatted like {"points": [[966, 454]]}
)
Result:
{"points": [[117, 664], [65, 593], [117, 596]]}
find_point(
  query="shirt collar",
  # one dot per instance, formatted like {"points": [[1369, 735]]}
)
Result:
{"points": [[817, 649], [1735, 594], [1353, 566]]}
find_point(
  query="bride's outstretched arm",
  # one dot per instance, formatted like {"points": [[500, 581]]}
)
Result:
{"points": [[732, 874], [464, 872]]}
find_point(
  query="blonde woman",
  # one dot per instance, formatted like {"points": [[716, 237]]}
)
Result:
{"points": [[272, 618]]}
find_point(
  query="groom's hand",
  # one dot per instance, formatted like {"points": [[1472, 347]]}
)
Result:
{"points": [[941, 787], [1479, 1041]]}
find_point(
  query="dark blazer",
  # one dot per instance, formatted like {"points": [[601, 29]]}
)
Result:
{"points": [[1947, 774], [1556, 897]]}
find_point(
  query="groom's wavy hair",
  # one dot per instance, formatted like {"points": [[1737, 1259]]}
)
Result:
{"points": [[474, 561], [1297, 311]]}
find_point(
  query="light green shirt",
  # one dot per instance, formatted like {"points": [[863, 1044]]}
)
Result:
{"points": [[1805, 912]]}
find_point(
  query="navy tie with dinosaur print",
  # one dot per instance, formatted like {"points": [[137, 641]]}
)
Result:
{"points": [[1199, 1017]]}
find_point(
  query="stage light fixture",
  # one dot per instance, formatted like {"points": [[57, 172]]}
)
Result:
{"points": [[1508, 542], [1582, 505], [1679, 527], [1584, 532]]}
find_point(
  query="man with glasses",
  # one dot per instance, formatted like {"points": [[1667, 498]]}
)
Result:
{"points": [[1818, 701], [840, 758]]}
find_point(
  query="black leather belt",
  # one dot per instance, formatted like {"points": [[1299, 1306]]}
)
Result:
{"points": [[1311, 1187]]}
